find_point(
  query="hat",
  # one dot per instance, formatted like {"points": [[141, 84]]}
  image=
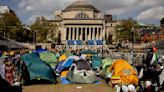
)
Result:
{"points": [[131, 88], [124, 88], [148, 83]]}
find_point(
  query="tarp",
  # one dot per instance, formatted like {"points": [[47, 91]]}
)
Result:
{"points": [[79, 42], [95, 42], [74, 42], [90, 42], [49, 58], [37, 68], [70, 42], [99, 42], [96, 62], [126, 72]]}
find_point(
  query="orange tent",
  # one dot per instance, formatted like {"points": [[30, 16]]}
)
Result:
{"points": [[127, 74]]}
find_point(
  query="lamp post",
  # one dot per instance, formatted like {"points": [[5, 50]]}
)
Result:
{"points": [[132, 31]]}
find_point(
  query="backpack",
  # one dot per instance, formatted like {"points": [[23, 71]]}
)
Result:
{"points": [[81, 72]]}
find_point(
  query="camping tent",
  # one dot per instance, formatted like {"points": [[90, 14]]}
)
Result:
{"points": [[37, 68], [96, 62], [81, 72], [106, 63], [49, 58], [126, 72]]}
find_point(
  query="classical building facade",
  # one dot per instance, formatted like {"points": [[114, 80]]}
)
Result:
{"points": [[82, 21]]}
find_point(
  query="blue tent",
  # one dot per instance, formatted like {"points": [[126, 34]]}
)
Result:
{"points": [[37, 68], [40, 50], [96, 62]]}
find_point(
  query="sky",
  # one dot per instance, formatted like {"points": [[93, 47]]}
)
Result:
{"points": [[145, 11]]}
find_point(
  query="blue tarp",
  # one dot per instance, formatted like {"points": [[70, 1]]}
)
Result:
{"points": [[91, 42], [99, 42], [79, 42], [70, 42], [74, 42]]}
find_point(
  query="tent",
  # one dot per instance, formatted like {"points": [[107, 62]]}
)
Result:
{"points": [[49, 58], [106, 63], [40, 50], [66, 64], [88, 52], [37, 68], [96, 62], [81, 72], [62, 57], [126, 72]]}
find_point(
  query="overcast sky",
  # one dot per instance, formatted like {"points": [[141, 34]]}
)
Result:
{"points": [[146, 11]]}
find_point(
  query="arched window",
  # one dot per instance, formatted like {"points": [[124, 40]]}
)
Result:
{"points": [[82, 16]]}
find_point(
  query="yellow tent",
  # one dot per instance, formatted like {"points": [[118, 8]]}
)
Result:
{"points": [[128, 75], [12, 53], [62, 57]]}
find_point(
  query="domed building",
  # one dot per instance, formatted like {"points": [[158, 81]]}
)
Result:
{"points": [[81, 21]]}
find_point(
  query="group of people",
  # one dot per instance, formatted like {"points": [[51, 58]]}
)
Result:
{"points": [[11, 70], [144, 78]]}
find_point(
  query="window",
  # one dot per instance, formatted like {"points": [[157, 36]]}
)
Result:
{"points": [[82, 16]]}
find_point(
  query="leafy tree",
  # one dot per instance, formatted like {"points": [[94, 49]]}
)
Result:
{"points": [[124, 30], [10, 25], [42, 28], [108, 38]]}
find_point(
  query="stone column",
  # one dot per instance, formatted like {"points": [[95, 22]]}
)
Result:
{"points": [[80, 33], [100, 37], [89, 34], [93, 35], [69, 35], [73, 33], [76, 34], [86, 34]]}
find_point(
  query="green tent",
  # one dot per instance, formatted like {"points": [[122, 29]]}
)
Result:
{"points": [[38, 69], [68, 54], [106, 63], [49, 58]]}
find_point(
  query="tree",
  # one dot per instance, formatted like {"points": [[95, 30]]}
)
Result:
{"points": [[42, 28], [108, 38], [10, 25], [124, 30]]}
